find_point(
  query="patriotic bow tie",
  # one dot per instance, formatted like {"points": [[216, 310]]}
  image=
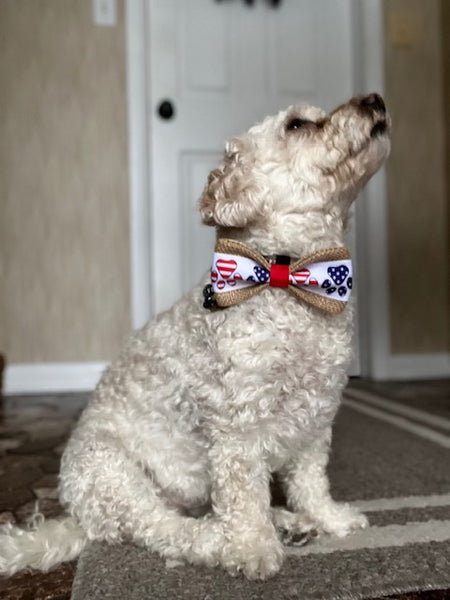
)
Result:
{"points": [[322, 279]]}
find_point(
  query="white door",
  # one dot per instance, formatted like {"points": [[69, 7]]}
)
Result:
{"points": [[223, 65]]}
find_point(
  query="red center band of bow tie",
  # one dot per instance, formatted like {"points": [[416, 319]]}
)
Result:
{"points": [[279, 276]]}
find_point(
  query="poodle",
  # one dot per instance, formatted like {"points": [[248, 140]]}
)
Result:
{"points": [[176, 449]]}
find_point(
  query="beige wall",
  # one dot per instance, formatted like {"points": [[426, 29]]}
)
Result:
{"points": [[417, 195], [64, 243]]}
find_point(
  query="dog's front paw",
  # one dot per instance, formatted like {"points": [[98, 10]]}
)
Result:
{"points": [[294, 529], [256, 554], [342, 519]]}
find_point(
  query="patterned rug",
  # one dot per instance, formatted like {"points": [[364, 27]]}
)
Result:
{"points": [[390, 457]]}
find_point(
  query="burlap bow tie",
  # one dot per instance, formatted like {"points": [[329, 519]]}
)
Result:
{"points": [[322, 279]]}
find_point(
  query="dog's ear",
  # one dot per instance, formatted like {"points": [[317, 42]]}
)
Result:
{"points": [[232, 197]]}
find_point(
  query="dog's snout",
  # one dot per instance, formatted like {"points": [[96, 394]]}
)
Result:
{"points": [[374, 102]]}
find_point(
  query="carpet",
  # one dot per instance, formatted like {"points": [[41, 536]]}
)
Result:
{"points": [[389, 458]]}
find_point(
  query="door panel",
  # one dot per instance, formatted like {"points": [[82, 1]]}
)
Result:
{"points": [[204, 56], [295, 38], [194, 169]]}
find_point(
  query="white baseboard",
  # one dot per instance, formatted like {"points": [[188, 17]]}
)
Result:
{"points": [[41, 378], [79, 377], [415, 366]]}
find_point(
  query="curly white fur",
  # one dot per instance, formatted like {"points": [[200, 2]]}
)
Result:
{"points": [[176, 448]]}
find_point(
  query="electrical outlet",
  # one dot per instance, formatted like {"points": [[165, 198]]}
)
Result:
{"points": [[104, 12]]}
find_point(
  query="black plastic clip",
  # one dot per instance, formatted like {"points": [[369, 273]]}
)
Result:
{"points": [[210, 301]]}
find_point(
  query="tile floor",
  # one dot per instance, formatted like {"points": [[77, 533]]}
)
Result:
{"points": [[33, 430]]}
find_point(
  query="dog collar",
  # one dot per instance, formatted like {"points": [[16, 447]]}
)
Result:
{"points": [[322, 279]]}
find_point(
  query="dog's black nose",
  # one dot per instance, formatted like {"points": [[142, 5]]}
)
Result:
{"points": [[373, 101]]}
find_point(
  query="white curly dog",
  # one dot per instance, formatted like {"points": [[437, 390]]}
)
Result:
{"points": [[176, 448]]}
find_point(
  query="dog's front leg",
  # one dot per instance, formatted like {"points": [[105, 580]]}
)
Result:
{"points": [[308, 490], [241, 499]]}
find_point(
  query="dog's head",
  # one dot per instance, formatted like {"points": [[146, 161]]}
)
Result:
{"points": [[290, 175]]}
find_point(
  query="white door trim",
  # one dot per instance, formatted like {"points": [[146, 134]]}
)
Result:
{"points": [[138, 160], [371, 219]]}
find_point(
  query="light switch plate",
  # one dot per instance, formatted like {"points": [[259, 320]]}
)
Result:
{"points": [[104, 12], [402, 28]]}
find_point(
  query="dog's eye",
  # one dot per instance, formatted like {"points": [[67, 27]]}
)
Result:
{"points": [[296, 123]]}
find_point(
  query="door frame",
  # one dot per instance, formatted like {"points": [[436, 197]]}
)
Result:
{"points": [[370, 213]]}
